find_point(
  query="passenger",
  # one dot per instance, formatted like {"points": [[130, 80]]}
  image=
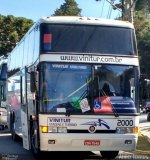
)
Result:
{"points": [[106, 90]]}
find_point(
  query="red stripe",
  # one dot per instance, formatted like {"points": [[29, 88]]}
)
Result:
{"points": [[47, 38]]}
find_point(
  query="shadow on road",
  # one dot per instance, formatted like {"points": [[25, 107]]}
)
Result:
{"points": [[69, 156], [13, 150]]}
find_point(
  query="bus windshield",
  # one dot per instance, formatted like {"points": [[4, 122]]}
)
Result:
{"points": [[74, 87], [87, 39]]}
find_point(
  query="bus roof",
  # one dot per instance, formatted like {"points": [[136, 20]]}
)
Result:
{"points": [[85, 20]]}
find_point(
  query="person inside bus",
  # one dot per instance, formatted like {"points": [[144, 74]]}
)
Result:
{"points": [[106, 90]]}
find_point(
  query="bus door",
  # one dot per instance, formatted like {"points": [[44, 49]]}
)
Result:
{"points": [[24, 110]]}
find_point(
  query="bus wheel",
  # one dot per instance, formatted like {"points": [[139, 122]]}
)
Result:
{"points": [[109, 154], [34, 148]]}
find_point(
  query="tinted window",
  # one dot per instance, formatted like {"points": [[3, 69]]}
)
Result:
{"points": [[69, 86], [87, 39]]}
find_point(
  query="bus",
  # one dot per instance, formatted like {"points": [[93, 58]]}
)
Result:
{"points": [[3, 77], [73, 86]]}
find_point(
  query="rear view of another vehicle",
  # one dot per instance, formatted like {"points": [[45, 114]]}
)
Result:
{"points": [[147, 107], [3, 118]]}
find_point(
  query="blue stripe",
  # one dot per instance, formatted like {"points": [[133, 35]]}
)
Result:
{"points": [[123, 105], [47, 46]]}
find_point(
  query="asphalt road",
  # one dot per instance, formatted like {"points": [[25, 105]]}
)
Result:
{"points": [[10, 150]]}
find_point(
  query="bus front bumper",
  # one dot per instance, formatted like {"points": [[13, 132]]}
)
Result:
{"points": [[87, 142]]}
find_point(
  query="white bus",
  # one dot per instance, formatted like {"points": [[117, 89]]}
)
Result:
{"points": [[73, 86], [3, 77]]}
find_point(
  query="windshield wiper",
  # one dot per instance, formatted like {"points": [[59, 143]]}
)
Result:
{"points": [[78, 89]]}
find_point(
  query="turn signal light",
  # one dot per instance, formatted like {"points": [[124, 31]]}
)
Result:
{"points": [[44, 129], [136, 130]]}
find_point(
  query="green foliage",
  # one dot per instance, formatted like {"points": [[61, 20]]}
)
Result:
{"points": [[69, 8], [142, 26], [143, 5], [12, 30]]}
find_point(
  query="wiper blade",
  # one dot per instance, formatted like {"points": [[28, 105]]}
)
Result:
{"points": [[78, 89], [83, 95]]}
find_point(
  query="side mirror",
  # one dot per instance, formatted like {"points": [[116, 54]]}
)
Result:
{"points": [[3, 72], [32, 82]]}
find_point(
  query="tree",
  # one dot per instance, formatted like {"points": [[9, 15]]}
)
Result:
{"points": [[144, 6], [12, 29], [142, 27], [69, 8]]}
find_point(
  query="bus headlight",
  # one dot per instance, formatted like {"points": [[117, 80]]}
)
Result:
{"points": [[52, 129], [57, 129], [127, 130], [62, 130]]}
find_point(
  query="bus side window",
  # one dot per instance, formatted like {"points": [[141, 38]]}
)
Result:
{"points": [[32, 82]]}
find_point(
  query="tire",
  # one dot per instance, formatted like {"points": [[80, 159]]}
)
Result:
{"points": [[109, 154], [33, 138], [148, 117]]}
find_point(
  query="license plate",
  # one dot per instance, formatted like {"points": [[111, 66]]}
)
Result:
{"points": [[91, 142]]}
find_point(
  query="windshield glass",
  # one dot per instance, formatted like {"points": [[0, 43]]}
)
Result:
{"points": [[87, 39], [79, 88]]}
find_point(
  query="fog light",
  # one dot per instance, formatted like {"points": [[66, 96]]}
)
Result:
{"points": [[128, 142]]}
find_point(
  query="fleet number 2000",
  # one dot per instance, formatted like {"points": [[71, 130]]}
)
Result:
{"points": [[125, 123]]}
